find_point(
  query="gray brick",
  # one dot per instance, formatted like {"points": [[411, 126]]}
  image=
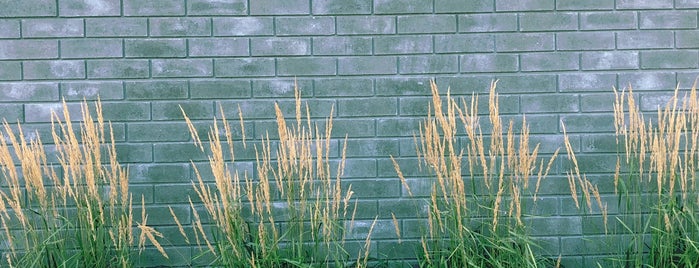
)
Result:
{"points": [[585, 5], [525, 5], [220, 89], [643, 4], [282, 88], [579, 123], [306, 66], [376, 106], [366, 25], [280, 46], [677, 59], [218, 47], [87, 8], [402, 86], [425, 64], [585, 41], [687, 39], [91, 48], [52, 28], [218, 7], [596, 102], [687, 79], [350, 87], [338, 7], [28, 49], [157, 132], [116, 27], [244, 67], [488, 23], [550, 61], [180, 26], [10, 70], [61, 69], [618, 20], [156, 90], [463, 6], [668, 19], [126, 111], [153, 8], [524, 42], [560, 21], [645, 39], [176, 152], [586, 82], [342, 45], [526, 83], [120, 68], [466, 85], [610, 60], [367, 65], [686, 4], [28, 92], [648, 81], [305, 25], [488, 63], [12, 113], [9, 28], [157, 48], [460, 43], [557, 103], [279, 7], [356, 128], [396, 127], [402, 6], [159, 173], [427, 24], [29, 8], [107, 90], [403, 44], [182, 68], [243, 26], [43, 112]]}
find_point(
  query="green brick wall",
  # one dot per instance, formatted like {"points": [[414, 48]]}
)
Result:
{"points": [[370, 60]]}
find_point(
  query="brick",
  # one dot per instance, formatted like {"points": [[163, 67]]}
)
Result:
{"points": [[28, 49], [279, 7], [280, 46], [396, 127], [424, 64], [560, 21], [402, 86], [526, 5], [402, 44], [618, 20], [648, 81], [528, 83], [182, 68], [281, 88], [677, 59], [384, 188], [157, 132], [155, 48], [463, 6], [126, 111], [9, 28], [304, 26], [524, 42], [367, 65], [349, 87], [643, 4], [171, 110], [306, 66], [12, 113], [356, 128], [43, 112], [645, 39], [52, 28], [402, 6], [427, 24], [550, 61], [218, 47], [596, 102], [107, 90], [339, 7], [218, 7], [460, 43], [478, 63], [668, 19], [120, 68], [134, 153], [686, 4], [62, 69], [156, 90], [342, 45], [87, 8], [587, 123], [28, 92], [10, 70], [377, 106], [557, 103], [244, 67], [116, 27], [159, 173], [586, 82], [29, 8], [219, 89], [350, 25], [610, 60], [465, 85], [488, 23], [243, 26], [585, 5], [585, 41], [687, 39], [179, 26], [91, 48], [153, 8]]}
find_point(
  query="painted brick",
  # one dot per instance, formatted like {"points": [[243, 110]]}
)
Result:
{"points": [[156, 90], [645, 39], [648, 81], [367, 106], [526, 5], [668, 19], [687, 39], [12, 113], [154, 132], [480, 63], [402, 86], [305, 25], [578, 123], [550, 61], [28, 49], [524, 42], [488, 23], [463, 6], [179, 26], [356, 128], [346, 87], [427, 24], [643, 4], [585, 41], [366, 25], [218, 47], [619, 20], [281, 88], [528, 83], [219, 89], [460, 43], [107, 90], [244, 67], [52, 28], [134, 153], [153, 8], [158, 48], [193, 109], [402, 6], [562, 21], [116, 27], [396, 127], [10, 70], [218, 7], [557, 103], [159, 173], [120, 68], [465, 84], [342, 45], [279, 7], [43, 112], [586, 82], [367, 65], [29, 8], [62, 69], [306, 66], [9, 28], [686, 4], [126, 111], [424, 64], [337, 7], [91, 48], [182, 68], [669, 59], [87, 8], [610, 60], [278, 46], [28, 92], [243, 26], [585, 5], [402, 44]]}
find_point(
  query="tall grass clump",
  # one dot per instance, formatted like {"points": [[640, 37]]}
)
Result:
{"points": [[76, 213], [293, 212], [476, 219]]}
